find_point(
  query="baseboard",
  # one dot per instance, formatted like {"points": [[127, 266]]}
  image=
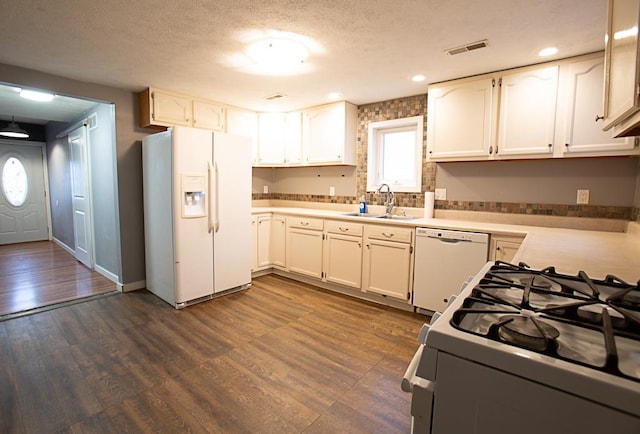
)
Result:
{"points": [[64, 246], [133, 286], [106, 273]]}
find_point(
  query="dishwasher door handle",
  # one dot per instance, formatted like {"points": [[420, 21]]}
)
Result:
{"points": [[450, 240]]}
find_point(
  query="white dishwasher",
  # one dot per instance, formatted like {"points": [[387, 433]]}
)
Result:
{"points": [[444, 260]]}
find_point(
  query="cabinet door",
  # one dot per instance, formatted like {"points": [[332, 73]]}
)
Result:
{"points": [[293, 138], [387, 268], [329, 134], [264, 241], [527, 116], [278, 241], [460, 120], [254, 244], [622, 70], [244, 123], [271, 133], [171, 109], [208, 115], [343, 260], [304, 252], [583, 127]]}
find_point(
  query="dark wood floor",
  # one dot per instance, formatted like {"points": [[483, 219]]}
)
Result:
{"points": [[281, 357], [41, 273]]}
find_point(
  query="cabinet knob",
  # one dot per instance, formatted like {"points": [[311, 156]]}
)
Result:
{"points": [[599, 118], [490, 150]]}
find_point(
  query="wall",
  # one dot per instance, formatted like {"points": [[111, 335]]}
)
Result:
{"points": [[128, 152]]}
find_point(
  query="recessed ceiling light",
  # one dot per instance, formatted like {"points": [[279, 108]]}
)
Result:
{"points": [[35, 95], [549, 51], [334, 96], [418, 78]]}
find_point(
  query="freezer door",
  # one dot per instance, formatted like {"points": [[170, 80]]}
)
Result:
{"points": [[192, 150], [231, 209]]}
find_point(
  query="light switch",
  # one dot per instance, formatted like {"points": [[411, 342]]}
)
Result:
{"points": [[332, 191], [583, 197], [265, 189]]}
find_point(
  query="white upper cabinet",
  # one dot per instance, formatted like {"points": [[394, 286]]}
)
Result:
{"points": [[622, 72], [527, 115], [279, 139], [329, 134], [244, 123], [552, 110], [159, 108], [467, 103], [209, 115], [582, 134]]}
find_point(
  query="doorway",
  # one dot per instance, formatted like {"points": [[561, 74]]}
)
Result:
{"points": [[23, 215]]}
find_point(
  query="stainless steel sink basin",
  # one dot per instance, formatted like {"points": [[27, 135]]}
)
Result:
{"points": [[396, 217], [358, 214], [379, 216]]}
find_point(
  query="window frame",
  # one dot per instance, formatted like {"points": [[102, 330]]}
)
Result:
{"points": [[374, 161]]}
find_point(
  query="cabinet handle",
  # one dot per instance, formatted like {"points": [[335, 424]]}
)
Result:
{"points": [[599, 118], [359, 245], [567, 145], [368, 246], [387, 235], [550, 146], [304, 223], [490, 150], [343, 229]]}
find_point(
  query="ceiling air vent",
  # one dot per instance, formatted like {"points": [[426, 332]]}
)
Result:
{"points": [[468, 47], [275, 96]]}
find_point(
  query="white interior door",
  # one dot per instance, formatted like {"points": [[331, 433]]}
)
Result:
{"points": [[23, 215], [82, 221]]}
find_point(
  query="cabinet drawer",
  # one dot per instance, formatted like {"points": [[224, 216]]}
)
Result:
{"points": [[305, 223], [344, 228], [390, 233]]}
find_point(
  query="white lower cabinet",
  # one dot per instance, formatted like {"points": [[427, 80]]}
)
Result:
{"points": [[304, 246], [261, 235], [342, 262], [388, 261], [504, 247], [278, 245]]}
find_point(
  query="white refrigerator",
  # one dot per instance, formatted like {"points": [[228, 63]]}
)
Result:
{"points": [[197, 214]]}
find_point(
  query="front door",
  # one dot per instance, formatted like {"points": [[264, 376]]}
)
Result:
{"points": [[82, 222], [23, 215]]}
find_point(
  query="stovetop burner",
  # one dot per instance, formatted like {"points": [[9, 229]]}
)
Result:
{"points": [[527, 331], [575, 318]]}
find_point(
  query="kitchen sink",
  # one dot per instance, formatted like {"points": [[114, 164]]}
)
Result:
{"points": [[358, 214], [396, 217], [379, 216]]}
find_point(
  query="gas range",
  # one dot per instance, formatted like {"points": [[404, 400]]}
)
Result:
{"points": [[594, 323], [516, 342]]}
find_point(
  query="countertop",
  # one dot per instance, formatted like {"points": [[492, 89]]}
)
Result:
{"points": [[598, 253]]}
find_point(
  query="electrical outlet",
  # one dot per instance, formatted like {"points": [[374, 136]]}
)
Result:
{"points": [[440, 194], [265, 189], [583, 197], [332, 191]]}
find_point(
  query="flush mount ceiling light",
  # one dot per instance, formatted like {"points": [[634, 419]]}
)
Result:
{"points": [[14, 131], [35, 95], [418, 78], [335, 96], [272, 52], [549, 51]]}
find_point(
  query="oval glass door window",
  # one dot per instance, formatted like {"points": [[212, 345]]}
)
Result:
{"points": [[15, 184]]}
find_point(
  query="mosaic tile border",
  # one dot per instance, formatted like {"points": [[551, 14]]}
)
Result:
{"points": [[407, 200]]}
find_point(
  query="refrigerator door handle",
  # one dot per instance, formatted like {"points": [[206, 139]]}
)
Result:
{"points": [[216, 223], [210, 205]]}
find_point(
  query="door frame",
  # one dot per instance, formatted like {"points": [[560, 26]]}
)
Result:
{"points": [[45, 174]]}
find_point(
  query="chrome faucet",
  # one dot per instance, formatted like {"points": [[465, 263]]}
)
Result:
{"points": [[389, 200]]}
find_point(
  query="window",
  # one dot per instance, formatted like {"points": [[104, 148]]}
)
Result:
{"points": [[395, 154], [15, 185]]}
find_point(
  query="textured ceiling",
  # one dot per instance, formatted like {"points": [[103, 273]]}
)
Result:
{"points": [[370, 48]]}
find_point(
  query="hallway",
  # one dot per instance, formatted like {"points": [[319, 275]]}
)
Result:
{"points": [[39, 274]]}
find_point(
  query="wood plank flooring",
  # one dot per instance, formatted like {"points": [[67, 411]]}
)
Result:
{"points": [[41, 273], [280, 357]]}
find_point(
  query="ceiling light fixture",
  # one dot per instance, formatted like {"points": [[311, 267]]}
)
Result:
{"points": [[418, 78], [14, 131], [35, 95], [335, 96], [549, 51]]}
